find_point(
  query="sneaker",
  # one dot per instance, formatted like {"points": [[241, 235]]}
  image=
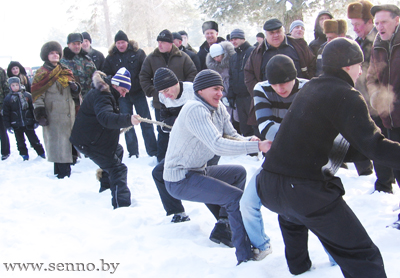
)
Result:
{"points": [[261, 254], [222, 233], [25, 157], [178, 218], [4, 157], [42, 155]]}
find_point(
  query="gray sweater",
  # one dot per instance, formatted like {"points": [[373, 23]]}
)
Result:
{"points": [[197, 136]]}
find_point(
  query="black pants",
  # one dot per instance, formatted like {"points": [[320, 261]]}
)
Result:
{"points": [[318, 206], [394, 135], [33, 139], [117, 173], [243, 109], [62, 170], [5, 142], [162, 138], [172, 205]]}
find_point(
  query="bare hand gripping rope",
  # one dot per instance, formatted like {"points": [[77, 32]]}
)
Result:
{"points": [[146, 121]]}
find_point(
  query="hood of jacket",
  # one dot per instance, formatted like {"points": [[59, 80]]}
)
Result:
{"points": [[132, 45], [229, 50], [103, 83]]}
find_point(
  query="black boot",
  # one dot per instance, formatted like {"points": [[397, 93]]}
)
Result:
{"points": [[222, 232]]}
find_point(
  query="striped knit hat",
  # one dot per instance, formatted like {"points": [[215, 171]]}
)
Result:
{"points": [[205, 79], [164, 78], [122, 78]]}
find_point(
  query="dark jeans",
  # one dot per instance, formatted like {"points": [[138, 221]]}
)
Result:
{"points": [[304, 204], [5, 142], [33, 139], [221, 185], [142, 108], [394, 135], [117, 173], [162, 139], [243, 109]]}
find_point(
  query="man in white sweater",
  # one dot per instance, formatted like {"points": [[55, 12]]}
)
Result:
{"points": [[198, 135]]}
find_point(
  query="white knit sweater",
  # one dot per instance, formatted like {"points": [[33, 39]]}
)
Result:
{"points": [[197, 136]]}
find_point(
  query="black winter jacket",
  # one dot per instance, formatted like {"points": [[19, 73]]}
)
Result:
{"points": [[237, 87], [97, 125], [97, 58], [14, 115], [132, 59]]}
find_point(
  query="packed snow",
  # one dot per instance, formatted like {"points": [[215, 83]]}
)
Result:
{"points": [[70, 230]]}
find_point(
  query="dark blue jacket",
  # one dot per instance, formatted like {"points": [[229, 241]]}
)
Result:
{"points": [[14, 115]]}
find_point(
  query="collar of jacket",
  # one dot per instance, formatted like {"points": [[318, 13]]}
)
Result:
{"points": [[243, 47], [268, 46], [205, 103], [69, 55], [369, 38], [341, 74], [174, 51], [393, 41], [206, 46], [132, 46]]}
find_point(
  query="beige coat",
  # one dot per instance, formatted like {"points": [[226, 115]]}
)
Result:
{"points": [[60, 111]]}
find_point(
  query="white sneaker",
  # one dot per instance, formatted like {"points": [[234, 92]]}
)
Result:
{"points": [[260, 255]]}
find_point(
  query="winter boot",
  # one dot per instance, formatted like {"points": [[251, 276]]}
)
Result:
{"points": [[180, 217], [222, 232], [259, 255], [25, 157], [5, 156]]}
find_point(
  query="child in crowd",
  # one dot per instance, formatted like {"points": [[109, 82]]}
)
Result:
{"points": [[18, 118]]}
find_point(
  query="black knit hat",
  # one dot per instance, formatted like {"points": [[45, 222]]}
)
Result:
{"points": [[164, 78], [49, 47], [280, 69], [74, 37], [165, 36], [209, 25], [121, 36], [183, 33], [176, 36], [207, 78], [341, 52], [237, 34], [86, 36], [260, 35]]}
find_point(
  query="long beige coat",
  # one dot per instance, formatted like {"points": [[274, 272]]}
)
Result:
{"points": [[60, 111]]}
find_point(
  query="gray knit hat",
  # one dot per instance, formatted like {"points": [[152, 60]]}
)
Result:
{"points": [[207, 78], [164, 78], [295, 24], [237, 34]]}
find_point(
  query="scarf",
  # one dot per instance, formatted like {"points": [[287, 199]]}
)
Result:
{"points": [[47, 75]]}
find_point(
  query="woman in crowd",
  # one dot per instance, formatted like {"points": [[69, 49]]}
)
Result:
{"points": [[55, 99], [16, 69]]}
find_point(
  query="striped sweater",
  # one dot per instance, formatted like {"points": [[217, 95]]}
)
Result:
{"points": [[197, 136], [270, 107]]}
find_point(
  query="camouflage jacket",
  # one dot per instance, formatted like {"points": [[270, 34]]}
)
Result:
{"points": [[3, 86], [81, 66]]}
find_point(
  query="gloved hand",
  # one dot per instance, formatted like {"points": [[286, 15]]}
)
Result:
{"points": [[232, 102], [43, 122], [73, 85], [10, 130]]}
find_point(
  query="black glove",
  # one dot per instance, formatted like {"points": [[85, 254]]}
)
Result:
{"points": [[232, 102], [73, 86], [10, 130], [43, 122]]}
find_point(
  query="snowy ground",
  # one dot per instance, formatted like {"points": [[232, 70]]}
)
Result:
{"points": [[66, 224]]}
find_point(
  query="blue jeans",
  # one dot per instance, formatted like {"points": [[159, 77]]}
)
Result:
{"points": [[220, 185], [142, 108], [250, 206]]}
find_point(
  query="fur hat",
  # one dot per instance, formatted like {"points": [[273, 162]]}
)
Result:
{"points": [[280, 69], [49, 47], [164, 78], [209, 25], [331, 26], [122, 78], [74, 37], [207, 78], [360, 9], [341, 52], [14, 79], [342, 26]]}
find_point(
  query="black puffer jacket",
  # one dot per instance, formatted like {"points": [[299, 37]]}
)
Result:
{"points": [[132, 59], [237, 87], [15, 115], [98, 122]]}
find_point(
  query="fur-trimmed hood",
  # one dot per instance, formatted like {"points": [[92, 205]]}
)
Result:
{"points": [[229, 50], [132, 45], [99, 83]]}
